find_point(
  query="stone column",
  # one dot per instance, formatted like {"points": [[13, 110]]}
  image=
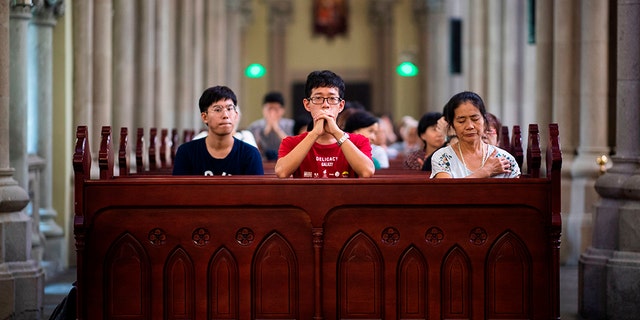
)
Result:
{"points": [[381, 18], [124, 68], [216, 39], [565, 93], [512, 65], [82, 64], [235, 25], [165, 64], [493, 94], [198, 62], [102, 70], [21, 278], [593, 132], [610, 269], [45, 15], [544, 66], [145, 64], [477, 67], [279, 17], [184, 108], [19, 26], [420, 13]]}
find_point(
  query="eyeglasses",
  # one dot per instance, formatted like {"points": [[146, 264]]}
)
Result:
{"points": [[320, 100], [219, 109]]}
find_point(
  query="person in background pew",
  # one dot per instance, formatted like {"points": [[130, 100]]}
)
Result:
{"points": [[219, 153], [273, 127], [470, 157], [326, 150], [433, 138], [364, 123], [494, 129]]}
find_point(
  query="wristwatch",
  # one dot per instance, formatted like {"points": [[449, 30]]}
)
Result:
{"points": [[343, 139]]}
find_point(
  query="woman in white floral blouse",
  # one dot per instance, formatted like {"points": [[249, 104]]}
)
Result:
{"points": [[470, 157]]}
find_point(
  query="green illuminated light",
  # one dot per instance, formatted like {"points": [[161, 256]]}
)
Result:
{"points": [[255, 70], [407, 69]]}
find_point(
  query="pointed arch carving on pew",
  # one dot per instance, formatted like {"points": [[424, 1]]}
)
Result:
{"points": [[413, 293], [456, 285], [509, 279], [360, 279], [222, 286], [179, 280], [276, 283], [128, 263]]}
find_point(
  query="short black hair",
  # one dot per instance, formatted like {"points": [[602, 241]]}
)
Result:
{"points": [[274, 96], [460, 98], [428, 119], [358, 120], [214, 94], [326, 79]]}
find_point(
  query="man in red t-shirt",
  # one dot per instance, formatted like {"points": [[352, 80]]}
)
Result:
{"points": [[326, 151]]}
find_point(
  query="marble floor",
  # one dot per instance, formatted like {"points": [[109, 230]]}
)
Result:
{"points": [[59, 285]]}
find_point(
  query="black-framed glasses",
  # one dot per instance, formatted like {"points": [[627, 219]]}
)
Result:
{"points": [[320, 100], [218, 109]]}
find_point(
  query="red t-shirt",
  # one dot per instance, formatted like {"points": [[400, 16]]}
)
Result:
{"points": [[324, 160]]}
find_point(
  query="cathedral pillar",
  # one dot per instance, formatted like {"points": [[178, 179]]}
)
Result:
{"points": [[21, 278], [165, 76], [544, 66], [19, 26], [609, 270], [477, 65], [199, 85], [512, 65], [45, 16], [186, 104], [102, 69], [235, 25], [124, 67], [145, 97], [82, 64], [565, 93], [592, 143], [381, 17], [493, 93], [216, 42], [280, 12]]}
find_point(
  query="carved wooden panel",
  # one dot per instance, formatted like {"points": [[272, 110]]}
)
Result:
{"points": [[275, 288], [179, 281], [412, 285], [508, 278], [223, 286], [199, 248], [127, 262], [456, 285], [360, 277]]}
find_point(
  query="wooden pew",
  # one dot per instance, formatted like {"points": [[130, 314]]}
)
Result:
{"points": [[159, 162], [251, 247]]}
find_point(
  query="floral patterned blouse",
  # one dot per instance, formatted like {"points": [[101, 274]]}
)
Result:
{"points": [[446, 160]]}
